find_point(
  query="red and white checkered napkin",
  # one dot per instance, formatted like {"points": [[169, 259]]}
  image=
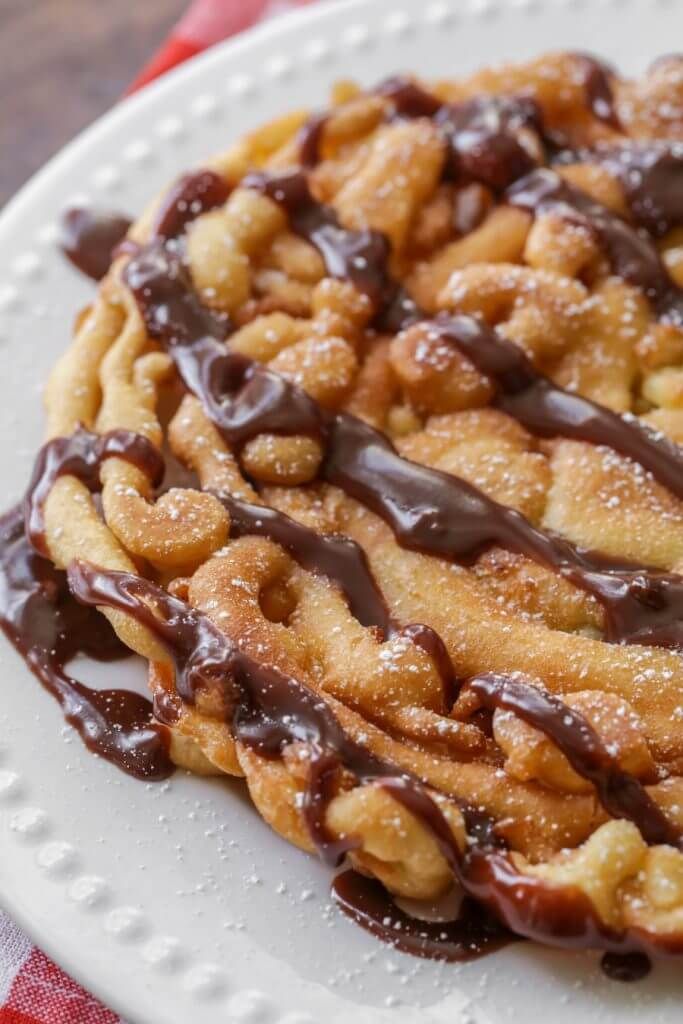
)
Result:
{"points": [[33, 990]]}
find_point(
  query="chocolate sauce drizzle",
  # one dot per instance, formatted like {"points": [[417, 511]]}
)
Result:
{"points": [[407, 98], [49, 628], [632, 256], [309, 139], [88, 238], [547, 410], [343, 561], [598, 86], [620, 793], [268, 710], [483, 136], [360, 257], [429, 511], [81, 455], [192, 195]]}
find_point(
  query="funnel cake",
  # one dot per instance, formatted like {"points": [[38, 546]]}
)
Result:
{"points": [[421, 358]]}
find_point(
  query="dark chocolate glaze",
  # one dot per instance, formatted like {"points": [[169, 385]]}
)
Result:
{"points": [[472, 934], [81, 455], [309, 139], [439, 514], [626, 966], [482, 133], [651, 175], [192, 195], [483, 136], [429, 511], [360, 257], [194, 337], [620, 793], [632, 256], [598, 86], [407, 98], [556, 915], [547, 410], [268, 710], [88, 238], [49, 628]]}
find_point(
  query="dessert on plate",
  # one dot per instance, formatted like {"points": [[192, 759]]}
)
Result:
{"points": [[370, 443]]}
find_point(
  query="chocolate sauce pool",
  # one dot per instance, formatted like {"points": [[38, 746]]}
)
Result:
{"points": [[49, 628], [626, 966], [474, 932]]}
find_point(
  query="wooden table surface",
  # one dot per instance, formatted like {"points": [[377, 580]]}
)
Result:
{"points": [[62, 63]]}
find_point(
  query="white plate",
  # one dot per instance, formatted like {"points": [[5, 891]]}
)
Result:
{"points": [[175, 902]]}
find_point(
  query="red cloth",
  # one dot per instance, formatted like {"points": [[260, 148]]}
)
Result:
{"points": [[33, 990]]}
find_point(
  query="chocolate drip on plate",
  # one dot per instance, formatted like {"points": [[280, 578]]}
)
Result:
{"points": [[620, 793], [626, 966], [472, 934], [88, 238], [632, 256], [49, 628], [81, 455]]}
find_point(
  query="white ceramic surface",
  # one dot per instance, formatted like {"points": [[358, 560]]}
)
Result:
{"points": [[174, 902]]}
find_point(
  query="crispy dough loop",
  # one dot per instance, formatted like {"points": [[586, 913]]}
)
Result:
{"points": [[72, 393], [183, 527]]}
